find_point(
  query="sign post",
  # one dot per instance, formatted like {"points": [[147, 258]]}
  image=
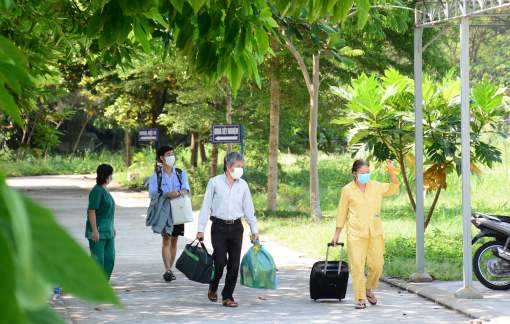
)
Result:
{"points": [[229, 133], [150, 135]]}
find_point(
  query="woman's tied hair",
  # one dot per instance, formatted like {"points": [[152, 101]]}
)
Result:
{"points": [[231, 158], [357, 165], [103, 172]]}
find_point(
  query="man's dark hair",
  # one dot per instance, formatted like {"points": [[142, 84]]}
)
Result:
{"points": [[163, 149], [103, 172]]}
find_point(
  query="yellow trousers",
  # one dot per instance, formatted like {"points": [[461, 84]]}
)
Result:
{"points": [[359, 251]]}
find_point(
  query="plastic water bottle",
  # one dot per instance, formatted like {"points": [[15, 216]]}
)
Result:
{"points": [[56, 293]]}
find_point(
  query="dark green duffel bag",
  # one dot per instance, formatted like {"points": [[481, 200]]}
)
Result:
{"points": [[196, 263]]}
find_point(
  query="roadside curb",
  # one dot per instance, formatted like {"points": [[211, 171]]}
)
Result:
{"points": [[465, 307], [60, 308]]}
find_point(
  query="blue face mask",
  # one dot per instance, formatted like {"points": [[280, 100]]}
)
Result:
{"points": [[364, 178]]}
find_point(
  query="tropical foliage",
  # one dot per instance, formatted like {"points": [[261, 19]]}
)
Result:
{"points": [[381, 121]]}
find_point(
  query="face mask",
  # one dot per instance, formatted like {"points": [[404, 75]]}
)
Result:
{"points": [[170, 160], [238, 172], [364, 178], [110, 181]]}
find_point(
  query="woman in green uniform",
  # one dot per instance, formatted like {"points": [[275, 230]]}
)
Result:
{"points": [[99, 229]]}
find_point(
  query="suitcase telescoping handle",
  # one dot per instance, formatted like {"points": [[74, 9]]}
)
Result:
{"points": [[341, 256]]}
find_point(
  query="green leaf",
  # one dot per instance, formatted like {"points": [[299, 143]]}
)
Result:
{"points": [[246, 65], [240, 45], [340, 11], [262, 40], [44, 315], [155, 15], [31, 290], [271, 22], [235, 75], [60, 259], [314, 32], [8, 105], [113, 25], [254, 67], [196, 4], [381, 151], [126, 29], [363, 9], [36, 153], [348, 62], [327, 28], [177, 4], [95, 24], [216, 22], [204, 24], [203, 57], [265, 13], [9, 305], [141, 36], [183, 36], [233, 32], [334, 39]]}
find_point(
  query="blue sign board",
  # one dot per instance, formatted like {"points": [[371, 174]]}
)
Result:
{"points": [[148, 135], [230, 133]]}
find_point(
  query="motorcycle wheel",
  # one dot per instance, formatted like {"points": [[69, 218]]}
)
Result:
{"points": [[482, 256]]}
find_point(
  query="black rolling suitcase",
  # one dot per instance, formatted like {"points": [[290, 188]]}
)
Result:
{"points": [[328, 280]]}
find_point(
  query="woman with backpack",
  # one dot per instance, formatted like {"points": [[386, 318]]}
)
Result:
{"points": [[175, 182]]}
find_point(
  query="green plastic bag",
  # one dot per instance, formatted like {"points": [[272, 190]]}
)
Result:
{"points": [[258, 269]]}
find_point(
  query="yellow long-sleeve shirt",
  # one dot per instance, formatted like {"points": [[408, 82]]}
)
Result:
{"points": [[362, 211]]}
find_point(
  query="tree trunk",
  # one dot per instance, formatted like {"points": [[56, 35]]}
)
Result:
{"points": [[274, 131], [228, 98], [214, 160], [22, 141], [127, 142], [203, 156], [315, 204], [401, 161], [431, 210], [194, 151], [313, 90], [85, 122], [160, 99]]}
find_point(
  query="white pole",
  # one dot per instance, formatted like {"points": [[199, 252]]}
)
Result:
{"points": [[420, 275], [465, 129]]}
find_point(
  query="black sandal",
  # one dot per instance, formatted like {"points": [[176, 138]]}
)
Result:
{"points": [[168, 276], [370, 298], [360, 305]]}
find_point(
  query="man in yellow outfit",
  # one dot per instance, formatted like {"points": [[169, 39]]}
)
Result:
{"points": [[360, 206]]}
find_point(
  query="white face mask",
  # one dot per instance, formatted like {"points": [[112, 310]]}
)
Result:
{"points": [[238, 173], [111, 180], [170, 160]]}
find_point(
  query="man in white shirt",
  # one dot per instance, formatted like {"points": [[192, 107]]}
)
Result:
{"points": [[227, 199], [175, 182]]}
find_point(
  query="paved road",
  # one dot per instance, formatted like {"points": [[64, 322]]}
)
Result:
{"points": [[137, 277]]}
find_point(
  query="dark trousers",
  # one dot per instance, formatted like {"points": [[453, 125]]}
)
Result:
{"points": [[227, 241]]}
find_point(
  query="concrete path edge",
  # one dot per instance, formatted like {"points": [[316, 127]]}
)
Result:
{"points": [[446, 299]]}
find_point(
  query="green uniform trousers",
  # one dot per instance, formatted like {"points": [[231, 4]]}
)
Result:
{"points": [[104, 253]]}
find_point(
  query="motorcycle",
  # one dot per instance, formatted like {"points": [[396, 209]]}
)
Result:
{"points": [[491, 262]]}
